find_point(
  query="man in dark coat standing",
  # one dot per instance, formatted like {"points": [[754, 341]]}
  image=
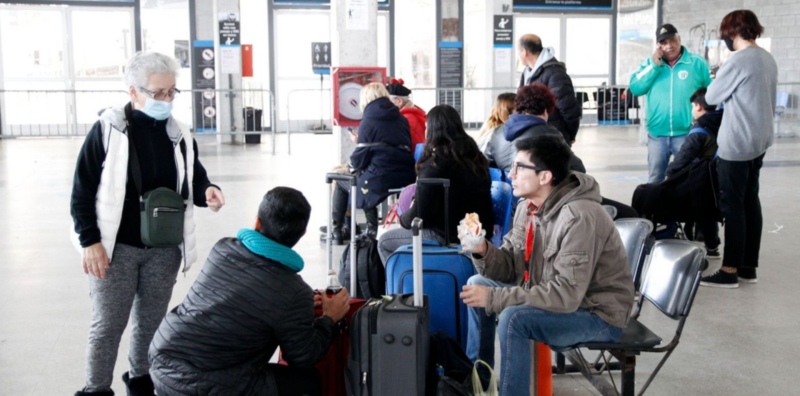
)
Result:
{"points": [[248, 301], [542, 66]]}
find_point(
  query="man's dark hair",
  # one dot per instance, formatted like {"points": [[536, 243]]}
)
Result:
{"points": [[743, 23], [284, 214], [699, 97], [549, 152], [533, 46], [534, 99]]}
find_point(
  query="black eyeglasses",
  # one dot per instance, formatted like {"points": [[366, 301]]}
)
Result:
{"points": [[516, 165], [161, 95]]}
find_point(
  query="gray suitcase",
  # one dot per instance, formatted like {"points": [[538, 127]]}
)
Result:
{"points": [[389, 340]]}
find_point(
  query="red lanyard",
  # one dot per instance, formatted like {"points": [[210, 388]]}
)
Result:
{"points": [[530, 236]]}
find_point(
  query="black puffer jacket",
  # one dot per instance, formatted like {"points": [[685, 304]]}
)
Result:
{"points": [[382, 158], [240, 309], [698, 145], [468, 193], [567, 117]]}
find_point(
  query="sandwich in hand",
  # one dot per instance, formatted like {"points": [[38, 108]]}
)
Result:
{"points": [[473, 224]]}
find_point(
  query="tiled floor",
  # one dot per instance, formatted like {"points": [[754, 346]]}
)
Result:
{"points": [[736, 342]]}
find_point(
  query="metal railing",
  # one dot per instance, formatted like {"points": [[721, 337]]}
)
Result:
{"points": [[68, 113], [64, 113], [308, 110], [787, 110]]}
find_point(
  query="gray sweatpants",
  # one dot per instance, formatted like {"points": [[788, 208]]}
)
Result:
{"points": [[141, 279]]}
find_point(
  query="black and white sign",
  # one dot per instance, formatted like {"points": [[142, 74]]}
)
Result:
{"points": [[503, 30], [605, 4], [230, 51], [204, 84], [321, 58], [450, 69], [229, 28]]}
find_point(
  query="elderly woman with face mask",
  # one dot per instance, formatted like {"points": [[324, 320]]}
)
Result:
{"points": [[131, 150]]}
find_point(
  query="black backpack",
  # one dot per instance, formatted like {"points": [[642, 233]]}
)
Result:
{"points": [[370, 272]]}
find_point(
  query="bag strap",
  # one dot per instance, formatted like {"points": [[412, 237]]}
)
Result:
{"points": [[382, 144], [133, 157], [477, 386]]}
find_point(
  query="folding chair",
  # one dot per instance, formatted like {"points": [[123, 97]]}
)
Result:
{"points": [[502, 207], [671, 283], [611, 210], [634, 234]]}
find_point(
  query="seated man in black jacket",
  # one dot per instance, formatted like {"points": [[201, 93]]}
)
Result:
{"points": [[248, 301], [701, 144]]}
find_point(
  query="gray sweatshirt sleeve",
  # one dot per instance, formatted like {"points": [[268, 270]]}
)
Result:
{"points": [[728, 79]]}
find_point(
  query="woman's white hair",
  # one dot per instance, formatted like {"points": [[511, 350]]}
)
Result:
{"points": [[371, 92], [144, 64]]}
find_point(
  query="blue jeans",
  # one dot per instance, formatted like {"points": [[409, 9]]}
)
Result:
{"points": [[520, 324], [659, 150]]}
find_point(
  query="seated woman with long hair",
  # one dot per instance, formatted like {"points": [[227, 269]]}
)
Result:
{"points": [[491, 133], [449, 154]]}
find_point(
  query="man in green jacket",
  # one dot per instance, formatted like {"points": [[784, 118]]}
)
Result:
{"points": [[668, 78]]}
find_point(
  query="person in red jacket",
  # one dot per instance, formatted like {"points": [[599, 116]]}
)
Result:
{"points": [[398, 93]]}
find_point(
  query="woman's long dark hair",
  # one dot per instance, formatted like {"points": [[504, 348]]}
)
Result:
{"points": [[448, 140]]}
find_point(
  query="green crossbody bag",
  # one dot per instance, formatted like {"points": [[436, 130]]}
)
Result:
{"points": [[162, 210]]}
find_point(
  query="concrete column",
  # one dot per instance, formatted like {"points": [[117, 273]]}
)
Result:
{"points": [[353, 44], [502, 75]]}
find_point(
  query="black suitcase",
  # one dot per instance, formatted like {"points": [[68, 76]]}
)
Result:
{"points": [[389, 340]]}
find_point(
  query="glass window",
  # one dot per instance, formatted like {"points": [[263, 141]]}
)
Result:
{"points": [[115, 42], [38, 55], [587, 47], [298, 88], [415, 43], [475, 50]]}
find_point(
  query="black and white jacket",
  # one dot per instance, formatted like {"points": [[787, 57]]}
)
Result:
{"points": [[104, 204]]}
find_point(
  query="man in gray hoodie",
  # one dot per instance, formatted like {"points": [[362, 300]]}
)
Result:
{"points": [[561, 276]]}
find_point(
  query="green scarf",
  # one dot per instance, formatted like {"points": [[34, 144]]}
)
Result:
{"points": [[257, 243]]}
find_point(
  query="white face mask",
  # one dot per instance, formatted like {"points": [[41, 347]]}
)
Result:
{"points": [[158, 109]]}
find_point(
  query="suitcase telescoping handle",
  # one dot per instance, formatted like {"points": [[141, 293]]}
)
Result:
{"points": [[445, 183], [416, 243], [329, 178]]}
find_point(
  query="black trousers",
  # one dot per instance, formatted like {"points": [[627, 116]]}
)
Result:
{"points": [[341, 201], [623, 211], [741, 208]]}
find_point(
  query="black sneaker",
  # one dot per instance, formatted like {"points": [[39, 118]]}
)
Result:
{"points": [[720, 279], [747, 275], [712, 254], [345, 231], [337, 236]]}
